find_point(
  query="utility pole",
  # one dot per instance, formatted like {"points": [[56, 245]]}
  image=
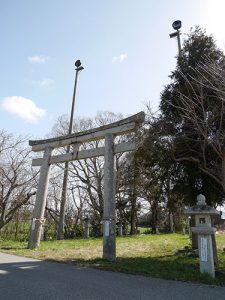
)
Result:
{"points": [[60, 233], [176, 26]]}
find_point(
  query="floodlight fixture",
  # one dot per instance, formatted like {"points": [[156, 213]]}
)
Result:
{"points": [[177, 25], [78, 65]]}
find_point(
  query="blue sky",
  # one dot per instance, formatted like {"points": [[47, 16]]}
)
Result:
{"points": [[124, 47]]}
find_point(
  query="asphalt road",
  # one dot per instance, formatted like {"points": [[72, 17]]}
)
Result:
{"points": [[24, 278]]}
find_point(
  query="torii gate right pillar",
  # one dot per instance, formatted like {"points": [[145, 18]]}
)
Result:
{"points": [[109, 215]]}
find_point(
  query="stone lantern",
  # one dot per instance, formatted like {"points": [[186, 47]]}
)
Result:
{"points": [[205, 233]]}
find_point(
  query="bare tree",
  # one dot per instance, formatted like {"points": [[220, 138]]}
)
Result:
{"points": [[203, 112], [17, 178], [86, 176]]}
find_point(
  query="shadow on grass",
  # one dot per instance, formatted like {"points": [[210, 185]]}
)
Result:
{"points": [[175, 267], [12, 248]]}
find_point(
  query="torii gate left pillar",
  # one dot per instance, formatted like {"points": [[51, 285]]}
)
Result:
{"points": [[39, 208]]}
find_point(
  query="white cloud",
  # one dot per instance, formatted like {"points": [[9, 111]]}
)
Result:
{"points": [[120, 58], [37, 59], [23, 108]]}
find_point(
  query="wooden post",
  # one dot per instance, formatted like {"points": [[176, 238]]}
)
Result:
{"points": [[87, 226], [120, 229], [40, 203], [109, 213]]}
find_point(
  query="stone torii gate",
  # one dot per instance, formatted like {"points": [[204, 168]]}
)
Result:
{"points": [[108, 133]]}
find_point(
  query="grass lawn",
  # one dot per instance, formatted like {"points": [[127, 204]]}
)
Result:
{"points": [[149, 255]]}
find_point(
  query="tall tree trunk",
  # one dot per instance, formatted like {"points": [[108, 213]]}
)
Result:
{"points": [[133, 223], [17, 225], [133, 217], [171, 223], [154, 209], [223, 172]]}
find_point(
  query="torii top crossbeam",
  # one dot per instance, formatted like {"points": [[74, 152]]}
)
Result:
{"points": [[117, 128]]}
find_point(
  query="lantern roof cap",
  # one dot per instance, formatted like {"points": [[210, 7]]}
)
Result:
{"points": [[201, 208]]}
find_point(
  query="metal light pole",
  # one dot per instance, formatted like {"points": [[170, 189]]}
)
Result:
{"points": [[60, 233], [176, 26]]}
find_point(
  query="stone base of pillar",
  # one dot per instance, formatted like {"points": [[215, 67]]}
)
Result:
{"points": [[35, 234], [109, 240]]}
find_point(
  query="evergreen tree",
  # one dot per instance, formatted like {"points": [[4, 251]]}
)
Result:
{"points": [[192, 107]]}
